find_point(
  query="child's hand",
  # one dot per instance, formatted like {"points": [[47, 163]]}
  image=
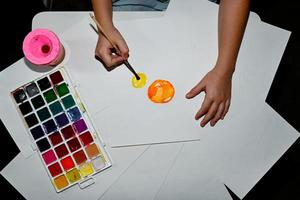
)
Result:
{"points": [[104, 50], [217, 88]]}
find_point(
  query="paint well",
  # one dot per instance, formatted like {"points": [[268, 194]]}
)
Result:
{"points": [[92, 150], [67, 163], [43, 114], [31, 120], [37, 102], [55, 138], [37, 132], [61, 120], [86, 169], [74, 144], [79, 157], [86, 138], [68, 132], [55, 169], [73, 175], [44, 84], [55, 108], [49, 157], [61, 182], [139, 83], [32, 89], [50, 96], [98, 163], [62, 89], [74, 114], [161, 91], [43, 144], [56, 77], [68, 102], [49, 126], [25, 108], [19, 95], [61, 150], [80, 126]]}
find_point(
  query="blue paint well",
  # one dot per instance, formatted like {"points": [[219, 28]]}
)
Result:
{"points": [[62, 120], [74, 114]]}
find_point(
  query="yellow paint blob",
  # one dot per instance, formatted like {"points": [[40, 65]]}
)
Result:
{"points": [[86, 169], [161, 91], [73, 175], [139, 83], [61, 182]]}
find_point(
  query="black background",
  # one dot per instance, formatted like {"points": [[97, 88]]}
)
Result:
{"points": [[281, 182]]}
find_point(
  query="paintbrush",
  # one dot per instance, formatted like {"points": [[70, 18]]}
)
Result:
{"points": [[114, 46]]}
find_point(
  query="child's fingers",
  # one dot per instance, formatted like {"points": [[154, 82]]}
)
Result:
{"points": [[227, 105], [196, 90], [111, 60], [218, 115], [210, 114], [204, 108], [124, 50], [116, 60]]}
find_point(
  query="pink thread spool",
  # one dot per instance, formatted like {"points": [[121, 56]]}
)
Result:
{"points": [[43, 47]]}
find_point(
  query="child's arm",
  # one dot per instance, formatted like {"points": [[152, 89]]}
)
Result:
{"points": [[103, 13], [233, 15]]}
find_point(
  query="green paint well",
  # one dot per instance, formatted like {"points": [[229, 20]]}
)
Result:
{"points": [[43, 114], [62, 89], [56, 108], [68, 101], [50, 96]]}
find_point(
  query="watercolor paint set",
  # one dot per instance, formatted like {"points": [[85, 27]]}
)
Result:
{"points": [[61, 130]]}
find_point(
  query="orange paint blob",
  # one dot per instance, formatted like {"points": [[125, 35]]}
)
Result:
{"points": [[161, 91]]}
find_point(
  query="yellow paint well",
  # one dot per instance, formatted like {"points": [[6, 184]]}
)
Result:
{"points": [[86, 169]]}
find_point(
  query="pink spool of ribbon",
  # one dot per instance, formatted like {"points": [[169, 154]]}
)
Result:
{"points": [[43, 47]]}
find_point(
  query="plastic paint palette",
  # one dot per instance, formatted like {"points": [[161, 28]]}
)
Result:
{"points": [[61, 130]]}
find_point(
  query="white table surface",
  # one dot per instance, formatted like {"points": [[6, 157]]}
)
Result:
{"points": [[240, 163]]}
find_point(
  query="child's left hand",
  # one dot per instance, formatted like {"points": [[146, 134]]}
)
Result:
{"points": [[217, 88]]}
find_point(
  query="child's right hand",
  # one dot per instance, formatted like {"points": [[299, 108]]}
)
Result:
{"points": [[104, 50]]}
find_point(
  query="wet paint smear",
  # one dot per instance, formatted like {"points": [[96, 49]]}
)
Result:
{"points": [[161, 91], [139, 83]]}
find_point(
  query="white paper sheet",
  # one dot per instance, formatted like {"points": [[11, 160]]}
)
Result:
{"points": [[174, 121], [114, 91]]}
